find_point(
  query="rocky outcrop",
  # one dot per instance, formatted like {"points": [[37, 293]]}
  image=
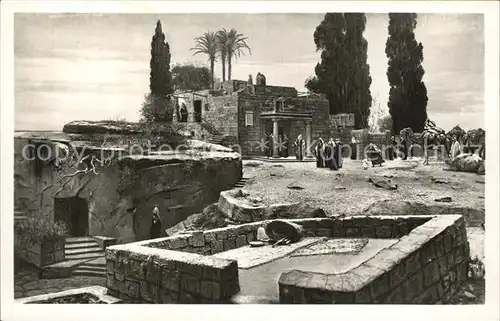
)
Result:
{"points": [[101, 127], [119, 199], [472, 216], [467, 163], [239, 206]]}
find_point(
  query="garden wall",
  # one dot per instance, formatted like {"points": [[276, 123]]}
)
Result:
{"points": [[41, 254], [425, 267], [179, 269]]}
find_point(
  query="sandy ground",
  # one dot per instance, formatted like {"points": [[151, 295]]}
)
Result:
{"points": [[348, 192]]}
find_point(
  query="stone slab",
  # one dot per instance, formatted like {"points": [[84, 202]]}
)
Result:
{"points": [[249, 257], [97, 290]]}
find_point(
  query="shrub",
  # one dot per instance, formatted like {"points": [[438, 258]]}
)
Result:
{"points": [[39, 229]]}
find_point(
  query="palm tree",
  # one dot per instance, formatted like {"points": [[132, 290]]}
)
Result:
{"points": [[208, 45], [231, 44]]}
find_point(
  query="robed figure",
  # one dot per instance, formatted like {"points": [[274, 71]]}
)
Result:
{"points": [[299, 147]]}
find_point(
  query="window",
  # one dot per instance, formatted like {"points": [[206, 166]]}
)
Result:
{"points": [[249, 119]]}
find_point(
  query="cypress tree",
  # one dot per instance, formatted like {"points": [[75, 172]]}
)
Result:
{"points": [[407, 94], [160, 80], [343, 73]]}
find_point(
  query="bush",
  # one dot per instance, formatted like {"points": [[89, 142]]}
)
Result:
{"points": [[39, 229]]}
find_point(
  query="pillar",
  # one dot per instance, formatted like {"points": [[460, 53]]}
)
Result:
{"points": [[308, 139], [275, 138]]}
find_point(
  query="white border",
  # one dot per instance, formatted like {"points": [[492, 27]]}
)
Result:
{"points": [[11, 311]]}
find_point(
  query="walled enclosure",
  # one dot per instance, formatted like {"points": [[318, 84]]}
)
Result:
{"points": [[426, 265], [180, 186]]}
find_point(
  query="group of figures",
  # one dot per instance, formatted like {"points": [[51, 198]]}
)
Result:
{"points": [[282, 143], [455, 142], [328, 154]]}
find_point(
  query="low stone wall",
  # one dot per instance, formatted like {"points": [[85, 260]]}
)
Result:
{"points": [[98, 292], [426, 266], [41, 254], [179, 269]]}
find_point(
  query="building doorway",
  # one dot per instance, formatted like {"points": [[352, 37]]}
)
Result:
{"points": [[74, 212], [197, 111]]}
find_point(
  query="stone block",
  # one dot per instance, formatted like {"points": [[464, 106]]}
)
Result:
{"points": [[324, 232], [250, 237], [368, 232], [217, 246], [110, 282], [439, 246], [197, 239], [363, 296], [458, 239], [450, 259], [230, 287], [352, 232], [150, 292], [240, 241], [135, 269], [153, 272], [431, 273], [317, 296], [190, 283], [179, 242], [229, 244], [428, 253], [458, 254], [210, 237], [383, 232], [413, 286], [338, 229], [396, 296], [429, 296], [380, 286], [290, 294], [167, 296], [170, 280], [221, 235], [443, 265], [413, 262], [210, 290], [190, 268], [397, 275], [133, 289], [110, 267], [462, 271], [448, 241]]}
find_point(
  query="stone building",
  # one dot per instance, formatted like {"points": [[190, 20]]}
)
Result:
{"points": [[238, 113]]}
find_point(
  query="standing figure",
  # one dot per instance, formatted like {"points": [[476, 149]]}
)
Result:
{"points": [[319, 153], [285, 145], [455, 147], [269, 145], [354, 148], [299, 147], [331, 154], [393, 153], [155, 230], [338, 147]]}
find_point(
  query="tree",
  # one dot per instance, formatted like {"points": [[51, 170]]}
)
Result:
{"points": [[385, 123], [156, 110], [190, 77], [208, 45], [231, 44], [359, 95], [343, 73], [407, 94], [312, 84], [160, 81]]}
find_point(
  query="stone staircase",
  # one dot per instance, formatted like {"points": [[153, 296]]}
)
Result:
{"points": [[81, 248], [216, 139], [241, 182], [95, 267], [19, 215]]}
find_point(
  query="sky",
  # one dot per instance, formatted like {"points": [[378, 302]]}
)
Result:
{"points": [[96, 66]]}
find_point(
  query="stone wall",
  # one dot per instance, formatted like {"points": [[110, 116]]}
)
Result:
{"points": [[426, 266], [364, 137], [218, 111], [429, 260], [180, 189], [41, 254], [149, 275]]}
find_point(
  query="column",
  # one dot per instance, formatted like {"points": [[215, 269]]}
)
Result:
{"points": [[308, 139], [275, 138]]}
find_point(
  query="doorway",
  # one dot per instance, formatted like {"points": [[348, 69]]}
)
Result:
{"points": [[197, 111], [74, 212]]}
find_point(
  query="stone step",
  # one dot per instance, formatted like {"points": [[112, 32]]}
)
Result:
{"points": [[81, 239], [87, 267], [86, 245], [94, 249], [84, 256], [97, 262], [85, 272]]}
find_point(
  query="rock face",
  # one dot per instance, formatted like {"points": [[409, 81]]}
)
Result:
{"points": [[467, 163], [101, 127], [105, 208], [277, 230], [383, 183], [473, 216], [240, 207]]}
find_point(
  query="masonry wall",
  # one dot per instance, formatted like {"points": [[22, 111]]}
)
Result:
{"points": [[424, 267], [217, 111], [179, 269]]}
